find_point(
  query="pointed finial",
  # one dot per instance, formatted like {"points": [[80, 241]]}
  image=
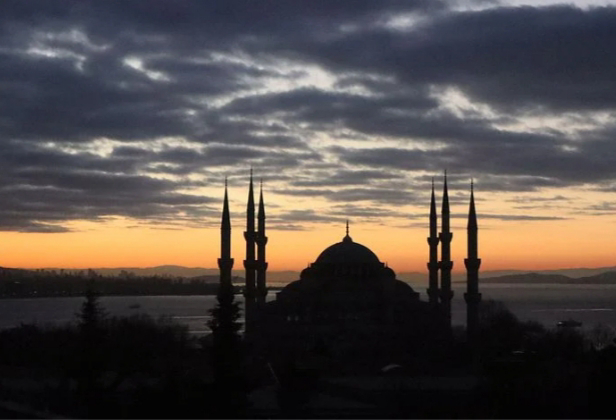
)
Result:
{"points": [[261, 207], [472, 215], [226, 222], [347, 238], [432, 183], [445, 205]]}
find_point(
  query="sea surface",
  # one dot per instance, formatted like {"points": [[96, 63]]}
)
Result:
{"points": [[545, 303]]}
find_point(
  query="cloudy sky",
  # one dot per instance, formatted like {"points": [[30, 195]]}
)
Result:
{"points": [[119, 120]]}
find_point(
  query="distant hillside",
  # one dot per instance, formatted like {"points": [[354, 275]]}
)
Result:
{"points": [[16, 283], [17, 272], [540, 278], [161, 270], [181, 271], [608, 277], [530, 278], [601, 275], [569, 272]]}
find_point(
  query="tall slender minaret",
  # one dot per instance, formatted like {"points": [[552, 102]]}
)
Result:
{"points": [[433, 261], [249, 262], [225, 262], [446, 294], [261, 243], [472, 263]]}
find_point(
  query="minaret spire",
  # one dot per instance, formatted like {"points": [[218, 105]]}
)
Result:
{"points": [[446, 294], [472, 214], [250, 208], [261, 214], [249, 262], [226, 217], [433, 241], [445, 206], [472, 263], [261, 240], [225, 262]]}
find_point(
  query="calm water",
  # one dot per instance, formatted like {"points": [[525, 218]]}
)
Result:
{"points": [[546, 303]]}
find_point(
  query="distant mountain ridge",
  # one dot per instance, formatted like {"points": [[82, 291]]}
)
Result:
{"points": [[574, 273], [608, 277], [600, 275]]}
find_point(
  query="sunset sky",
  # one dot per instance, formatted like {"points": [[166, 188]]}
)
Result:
{"points": [[120, 119]]}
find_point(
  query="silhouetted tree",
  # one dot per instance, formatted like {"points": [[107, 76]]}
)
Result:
{"points": [[500, 331], [226, 352], [92, 314], [91, 361]]}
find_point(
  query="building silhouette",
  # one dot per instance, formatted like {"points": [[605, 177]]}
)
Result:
{"points": [[348, 305]]}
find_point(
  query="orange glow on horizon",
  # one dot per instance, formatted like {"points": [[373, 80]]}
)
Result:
{"points": [[502, 245], [564, 238]]}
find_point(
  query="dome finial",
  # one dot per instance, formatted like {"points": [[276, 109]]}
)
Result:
{"points": [[347, 238]]}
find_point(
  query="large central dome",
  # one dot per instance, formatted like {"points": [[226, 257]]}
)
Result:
{"points": [[347, 252]]}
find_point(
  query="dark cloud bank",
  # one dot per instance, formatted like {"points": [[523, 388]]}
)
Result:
{"points": [[108, 106]]}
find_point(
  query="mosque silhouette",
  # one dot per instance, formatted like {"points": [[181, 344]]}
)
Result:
{"points": [[348, 309]]}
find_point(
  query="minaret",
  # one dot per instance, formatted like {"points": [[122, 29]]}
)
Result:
{"points": [[446, 294], [249, 262], [433, 261], [261, 243], [472, 263], [225, 262]]}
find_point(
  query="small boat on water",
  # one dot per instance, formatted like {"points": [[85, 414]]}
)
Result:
{"points": [[134, 306], [568, 323]]}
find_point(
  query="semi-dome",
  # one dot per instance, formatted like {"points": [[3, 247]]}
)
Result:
{"points": [[347, 252]]}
